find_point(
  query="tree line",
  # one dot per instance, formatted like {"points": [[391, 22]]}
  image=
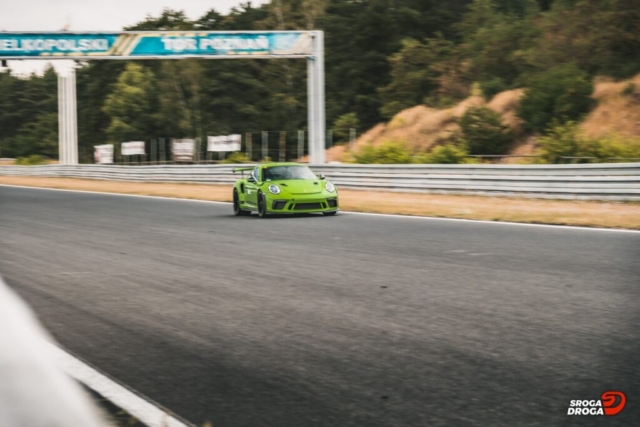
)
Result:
{"points": [[381, 56]]}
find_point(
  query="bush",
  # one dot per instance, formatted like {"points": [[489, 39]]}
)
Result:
{"points": [[32, 160], [632, 90], [236, 157], [567, 140], [389, 152], [492, 87], [342, 126], [618, 147], [562, 93], [483, 131], [448, 154], [629, 89], [561, 140]]}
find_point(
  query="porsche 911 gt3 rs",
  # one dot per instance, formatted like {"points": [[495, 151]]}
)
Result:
{"points": [[283, 188]]}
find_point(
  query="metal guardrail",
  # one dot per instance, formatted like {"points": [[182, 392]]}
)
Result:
{"points": [[614, 181]]}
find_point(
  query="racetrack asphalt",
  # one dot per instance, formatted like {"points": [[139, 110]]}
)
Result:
{"points": [[352, 320]]}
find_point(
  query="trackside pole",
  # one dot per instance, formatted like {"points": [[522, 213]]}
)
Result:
{"points": [[265, 145], [67, 118], [315, 94], [283, 146], [247, 139], [352, 140], [300, 144]]}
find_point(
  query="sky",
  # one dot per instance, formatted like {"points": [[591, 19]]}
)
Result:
{"points": [[93, 15]]}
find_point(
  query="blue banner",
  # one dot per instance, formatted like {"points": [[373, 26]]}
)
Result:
{"points": [[160, 44]]}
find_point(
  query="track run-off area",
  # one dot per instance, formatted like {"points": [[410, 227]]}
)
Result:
{"points": [[352, 320]]}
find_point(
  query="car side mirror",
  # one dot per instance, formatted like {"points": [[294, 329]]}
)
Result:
{"points": [[321, 176], [251, 179]]}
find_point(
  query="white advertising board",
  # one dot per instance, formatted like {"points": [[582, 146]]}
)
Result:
{"points": [[224, 143], [103, 154], [183, 149], [133, 148]]}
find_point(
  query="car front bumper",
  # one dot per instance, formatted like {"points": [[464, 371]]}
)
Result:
{"points": [[302, 204]]}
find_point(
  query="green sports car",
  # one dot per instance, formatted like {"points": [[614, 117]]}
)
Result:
{"points": [[283, 188]]}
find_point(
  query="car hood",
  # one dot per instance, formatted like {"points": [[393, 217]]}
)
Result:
{"points": [[300, 186]]}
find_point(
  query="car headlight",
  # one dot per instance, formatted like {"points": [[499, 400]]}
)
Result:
{"points": [[329, 187], [274, 189]]}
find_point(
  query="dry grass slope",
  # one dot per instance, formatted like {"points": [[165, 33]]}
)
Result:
{"points": [[616, 112], [422, 128]]}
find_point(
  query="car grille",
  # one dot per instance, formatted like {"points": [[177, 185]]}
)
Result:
{"points": [[278, 205], [307, 206], [333, 203]]}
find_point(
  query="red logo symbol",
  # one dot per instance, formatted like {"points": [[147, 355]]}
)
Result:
{"points": [[613, 402]]}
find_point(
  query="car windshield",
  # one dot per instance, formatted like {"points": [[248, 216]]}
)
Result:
{"points": [[288, 172]]}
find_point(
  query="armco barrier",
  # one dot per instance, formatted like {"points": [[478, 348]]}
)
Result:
{"points": [[616, 181]]}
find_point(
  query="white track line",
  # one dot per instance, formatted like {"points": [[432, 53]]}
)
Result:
{"points": [[116, 194], [145, 411], [483, 221], [423, 217]]}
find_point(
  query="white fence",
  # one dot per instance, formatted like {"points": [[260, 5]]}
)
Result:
{"points": [[587, 181]]}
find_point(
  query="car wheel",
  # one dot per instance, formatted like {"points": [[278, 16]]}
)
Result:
{"points": [[329, 213], [262, 205], [236, 205]]}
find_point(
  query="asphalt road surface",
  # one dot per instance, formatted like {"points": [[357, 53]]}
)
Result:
{"points": [[352, 320]]}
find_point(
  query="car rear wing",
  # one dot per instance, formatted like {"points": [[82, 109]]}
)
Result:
{"points": [[242, 170]]}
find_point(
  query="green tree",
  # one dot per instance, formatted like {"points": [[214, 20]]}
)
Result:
{"points": [[356, 53], [342, 126], [175, 89], [545, 5], [495, 36], [28, 114], [599, 36], [169, 20], [38, 137], [415, 73], [94, 82], [132, 105], [562, 93], [484, 132]]}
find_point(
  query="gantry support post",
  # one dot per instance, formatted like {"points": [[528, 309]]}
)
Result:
{"points": [[315, 94], [67, 118]]}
